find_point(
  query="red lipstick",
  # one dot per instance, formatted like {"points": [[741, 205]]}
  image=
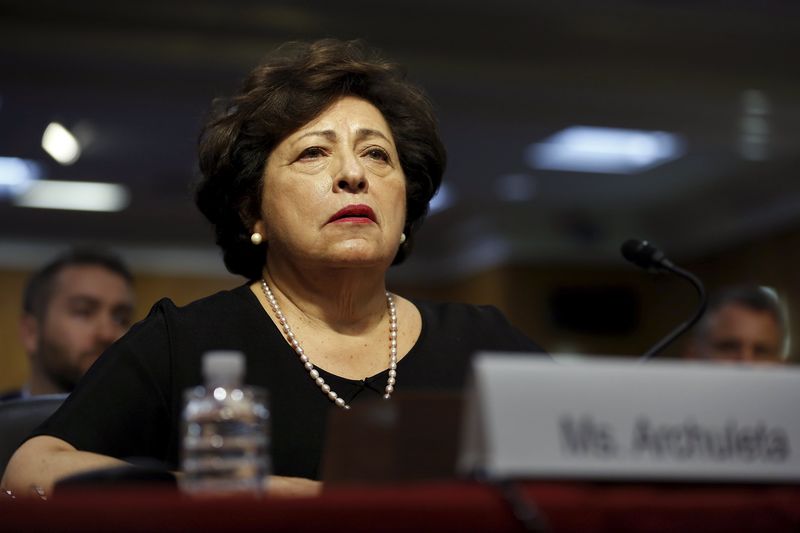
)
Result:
{"points": [[357, 213]]}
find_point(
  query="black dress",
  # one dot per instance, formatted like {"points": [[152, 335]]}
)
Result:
{"points": [[129, 403]]}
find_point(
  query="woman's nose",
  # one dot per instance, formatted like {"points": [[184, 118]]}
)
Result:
{"points": [[351, 177]]}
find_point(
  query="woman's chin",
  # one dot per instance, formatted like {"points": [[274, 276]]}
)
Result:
{"points": [[358, 256], [357, 261]]}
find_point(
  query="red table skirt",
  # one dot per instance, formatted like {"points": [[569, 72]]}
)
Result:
{"points": [[446, 506]]}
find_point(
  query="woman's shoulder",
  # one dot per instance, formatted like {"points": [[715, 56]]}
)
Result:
{"points": [[224, 311], [470, 326], [224, 320], [217, 305], [451, 334], [459, 315]]}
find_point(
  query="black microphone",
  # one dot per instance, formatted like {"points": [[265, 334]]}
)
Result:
{"points": [[645, 255]]}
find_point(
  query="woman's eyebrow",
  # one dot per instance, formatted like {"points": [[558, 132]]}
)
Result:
{"points": [[366, 133], [329, 135]]}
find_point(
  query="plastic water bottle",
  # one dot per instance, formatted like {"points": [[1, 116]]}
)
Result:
{"points": [[225, 431]]}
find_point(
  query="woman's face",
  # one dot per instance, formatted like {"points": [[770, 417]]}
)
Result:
{"points": [[334, 191]]}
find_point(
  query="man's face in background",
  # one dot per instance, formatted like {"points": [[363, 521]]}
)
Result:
{"points": [[89, 308], [738, 333]]}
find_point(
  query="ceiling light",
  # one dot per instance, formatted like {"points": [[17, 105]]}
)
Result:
{"points": [[74, 195], [17, 174], [604, 150], [754, 126], [61, 144]]}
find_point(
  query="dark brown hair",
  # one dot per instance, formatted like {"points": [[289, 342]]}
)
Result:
{"points": [[39, 288], [281, 95]]}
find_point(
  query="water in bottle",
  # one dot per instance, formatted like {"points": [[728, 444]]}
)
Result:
{"points": [[225, 431]]}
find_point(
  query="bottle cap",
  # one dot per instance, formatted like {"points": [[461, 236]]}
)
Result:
{"points": [[224, 366]]}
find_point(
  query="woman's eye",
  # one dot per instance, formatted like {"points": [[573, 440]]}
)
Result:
{"points": [[378, 154], [313, 152]]}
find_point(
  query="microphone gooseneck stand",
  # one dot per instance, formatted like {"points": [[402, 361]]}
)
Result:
{"points": [[647, 256]]}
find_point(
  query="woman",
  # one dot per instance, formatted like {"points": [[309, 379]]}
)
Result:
{"points": [[316, 176]]}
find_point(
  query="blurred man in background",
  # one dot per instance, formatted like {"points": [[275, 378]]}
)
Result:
{"points": [[743, 324], [72, 310]]}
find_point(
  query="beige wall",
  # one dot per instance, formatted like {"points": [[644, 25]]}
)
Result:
{"points": [[521, 291], [13, 366]]}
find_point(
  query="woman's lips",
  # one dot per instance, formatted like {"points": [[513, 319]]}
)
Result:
{"points": [[354, 214]]}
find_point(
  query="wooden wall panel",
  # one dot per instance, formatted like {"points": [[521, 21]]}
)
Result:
{"points": [[521, 291]]}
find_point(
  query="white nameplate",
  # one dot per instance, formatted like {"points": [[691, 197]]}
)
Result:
{"points": [[530, 417]]}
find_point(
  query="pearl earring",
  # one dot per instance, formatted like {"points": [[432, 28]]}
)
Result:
{"points": [[256, 238], [402, 238]]}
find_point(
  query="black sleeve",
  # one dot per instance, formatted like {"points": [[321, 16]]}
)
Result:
{"points": [[121, 407]]}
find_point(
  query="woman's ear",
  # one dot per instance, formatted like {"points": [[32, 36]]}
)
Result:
{"points": [[260, 228]]}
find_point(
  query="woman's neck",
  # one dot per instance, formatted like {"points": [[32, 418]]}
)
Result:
{"points": [[346, 300]]}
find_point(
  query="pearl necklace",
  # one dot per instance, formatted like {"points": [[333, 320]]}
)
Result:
{"points": [[313, 372]]}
